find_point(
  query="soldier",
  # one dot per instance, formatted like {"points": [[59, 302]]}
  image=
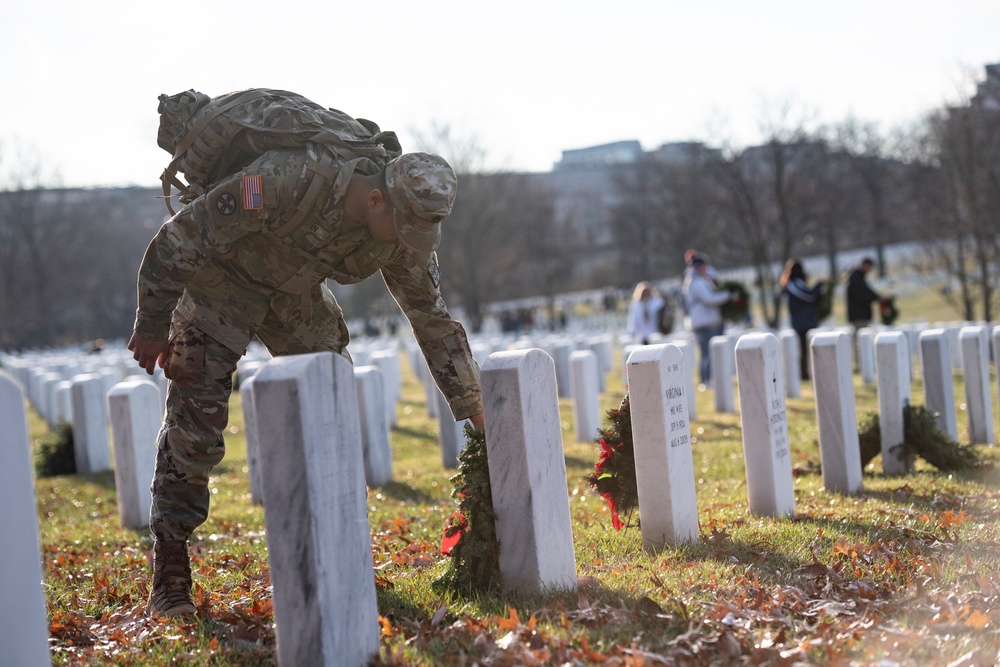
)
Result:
{"points": [[249, 258]]}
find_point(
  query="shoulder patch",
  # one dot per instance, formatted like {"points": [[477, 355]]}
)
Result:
{"points": [[225, 203], [253, 193]]}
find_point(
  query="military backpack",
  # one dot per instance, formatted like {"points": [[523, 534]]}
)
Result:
{"points": [[210, 138]]}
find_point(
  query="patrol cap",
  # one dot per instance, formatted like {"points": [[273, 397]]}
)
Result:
{"points": [[422, 188]]}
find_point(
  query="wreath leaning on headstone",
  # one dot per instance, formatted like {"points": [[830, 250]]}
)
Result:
{"points": [[614, 473], [921, 437], [470, 536], [735, 310]]}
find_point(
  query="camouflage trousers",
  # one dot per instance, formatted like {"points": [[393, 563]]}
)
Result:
{"points": [[190, 442]]}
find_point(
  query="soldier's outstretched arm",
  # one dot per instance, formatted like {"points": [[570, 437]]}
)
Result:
{"points": [[414, 281]]}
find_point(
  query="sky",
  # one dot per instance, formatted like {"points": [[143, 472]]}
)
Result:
{"points": [[522, 79]]}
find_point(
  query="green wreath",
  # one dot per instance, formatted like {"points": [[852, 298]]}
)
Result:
{"points": [[614, 473], [921, 437], [735, 310], [888, 311], [470, 535], [824, 304]]}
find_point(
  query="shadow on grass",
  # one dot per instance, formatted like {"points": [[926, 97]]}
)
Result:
{"points": [[577, 462], [770, 565], [414, 433], [406, 493], [104, 479], [606, 613], [398, 605]]}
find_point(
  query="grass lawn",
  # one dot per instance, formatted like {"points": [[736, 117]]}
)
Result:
{"points": [[907, 571]]}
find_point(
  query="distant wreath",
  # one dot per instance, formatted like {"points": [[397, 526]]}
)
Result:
{"points": [[736, 311], [824, 303], [888, 311]]}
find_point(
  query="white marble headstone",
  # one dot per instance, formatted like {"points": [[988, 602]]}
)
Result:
{"points": [[689, 349], [661, 437], [584, 391], [528, 471], [315, 510], [765, 425], [24, 631], [626, 352], [892, 360], [833, 385], [251, 437], [996, 356], [451, 433], [560, 356], [721, 354], [133, 408], [866, 354], [955, 343], [374, 428], [62, 399], [603, 346], [387, 362], [976, 369], [90, 425], [791, 353], [939, 384]]}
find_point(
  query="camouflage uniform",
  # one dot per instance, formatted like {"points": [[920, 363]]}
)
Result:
{"points": [[248, 258]]}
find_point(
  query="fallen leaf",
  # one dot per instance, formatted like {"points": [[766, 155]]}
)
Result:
{"points": [[510, 622], [977, 620]]}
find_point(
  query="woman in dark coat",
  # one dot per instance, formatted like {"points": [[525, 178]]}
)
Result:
{"points": [[802, 307]]}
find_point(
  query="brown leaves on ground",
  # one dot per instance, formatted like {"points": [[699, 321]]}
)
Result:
{"points": [[234, 620], [856, 601]]}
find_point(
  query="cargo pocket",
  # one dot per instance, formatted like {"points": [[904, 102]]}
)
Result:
{"points": [[185, 359]]}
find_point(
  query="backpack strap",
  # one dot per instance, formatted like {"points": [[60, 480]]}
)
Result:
{"points": [[169, 176], [323, 173]]}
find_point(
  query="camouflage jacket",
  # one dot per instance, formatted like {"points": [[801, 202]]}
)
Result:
{"points": [[246, 250]]}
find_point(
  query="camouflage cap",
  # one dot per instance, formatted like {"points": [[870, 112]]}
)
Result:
{"points": [[422, 188]]}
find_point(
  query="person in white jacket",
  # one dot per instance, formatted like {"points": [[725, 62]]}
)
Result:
{"points": [[644, 313], [704, 301]]}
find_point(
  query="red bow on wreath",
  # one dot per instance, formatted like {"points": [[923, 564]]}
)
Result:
{"points": [[608, 456], [456, 526]]}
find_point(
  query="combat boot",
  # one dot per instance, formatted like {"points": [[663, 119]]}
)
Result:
{"points": [[171, 592]]}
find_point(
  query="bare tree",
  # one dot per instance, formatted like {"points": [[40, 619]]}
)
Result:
{"points": [[503, 240], [877, 173], [771, 200], [641, 221], [666, 205], [966, 150]]}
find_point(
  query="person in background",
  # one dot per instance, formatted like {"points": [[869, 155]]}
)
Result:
{"points": [[802, 302], [689, 256], [704, 300], [860, 295], [644, 313]]}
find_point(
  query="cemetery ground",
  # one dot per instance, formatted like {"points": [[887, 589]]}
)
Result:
{"points": [[906, 571]]}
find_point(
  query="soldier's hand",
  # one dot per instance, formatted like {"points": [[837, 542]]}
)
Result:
{"points": [[477, 422], [148, 352]]}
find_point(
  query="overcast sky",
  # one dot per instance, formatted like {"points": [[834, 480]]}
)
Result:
{"points": [[526, 78]]}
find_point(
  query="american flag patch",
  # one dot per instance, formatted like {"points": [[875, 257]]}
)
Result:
{"points": [[253, 197]]}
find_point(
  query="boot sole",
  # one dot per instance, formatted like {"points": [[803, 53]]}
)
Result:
{"points": [[172, 612]]}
